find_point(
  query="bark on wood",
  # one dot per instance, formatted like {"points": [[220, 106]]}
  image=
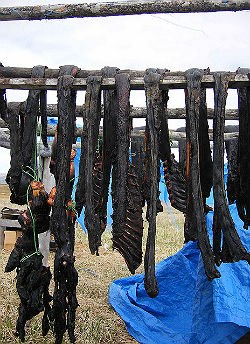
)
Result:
{"points": [[135, 112], [119, 8], [136, 83]]}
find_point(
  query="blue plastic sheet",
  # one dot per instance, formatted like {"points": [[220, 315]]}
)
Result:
{"points": [[189, 309]]}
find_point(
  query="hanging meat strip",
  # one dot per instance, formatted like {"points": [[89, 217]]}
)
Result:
{"points": [[43, 113], [195, 225], [23, 131], [126, 196], [138, 156], [205, 156], [17, 180], [153, 102], [30, 120], [243, 197], [173, 171], [232, 149], [89, 142], [32, 277], [109, 141], [65, 274], [232, 248]]}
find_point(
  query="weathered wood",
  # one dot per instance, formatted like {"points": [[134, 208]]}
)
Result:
{"points": [[135, 112], [23, 72], [174, 135], [119, 8], [136, 83]]}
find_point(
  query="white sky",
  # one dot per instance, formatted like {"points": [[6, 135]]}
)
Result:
{"points": [[175, 41]]}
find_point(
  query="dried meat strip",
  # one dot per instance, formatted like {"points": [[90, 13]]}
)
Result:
{"points": [[89, 143], [232, 247], [30, 120], [32, 277], [65, 274], [232, 149], [110, 109], [243, 197], [205, 156], [195, 225], [127, 226], [173, 171], [153, 102], [17, 180]]}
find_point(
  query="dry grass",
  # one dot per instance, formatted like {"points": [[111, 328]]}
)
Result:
{"points": [[96, 320]]}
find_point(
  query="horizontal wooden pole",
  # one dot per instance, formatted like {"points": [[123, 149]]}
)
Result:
{"points": [[24, 72], [119, 8], [135, 112], [136, 83]]}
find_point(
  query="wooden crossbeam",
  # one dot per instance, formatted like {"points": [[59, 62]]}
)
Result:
{"points": [[136, 83], [118, 8], [135, 112]]}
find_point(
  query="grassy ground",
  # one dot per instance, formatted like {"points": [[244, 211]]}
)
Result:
{"points": [[96, 321]]}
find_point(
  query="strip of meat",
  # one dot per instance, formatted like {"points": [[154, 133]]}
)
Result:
{"points": [[137, 149], [232, 149], [232, 248], [15, 173], [153, 102], [126, 194], [173, 172], [65, 274], [109, 123], [89, 140], [205, 156], [43, 112], [32, 277], [195, 218], [243, 197], [30, 120], [127, 238]]}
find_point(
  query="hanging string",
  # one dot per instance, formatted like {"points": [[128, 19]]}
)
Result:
{"points": [[36, 177]]}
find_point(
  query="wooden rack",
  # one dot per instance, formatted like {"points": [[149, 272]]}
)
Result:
{"points": [[118, 8]]}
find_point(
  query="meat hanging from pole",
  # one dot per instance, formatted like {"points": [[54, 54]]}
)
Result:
{"points": [[110, 110], [33, 279], [173, 171], [127, 226], [195, 226], [153, 122], [63, 216], [243, 196], [23, 135], [232, 149], [223, 226], [89, 192]]}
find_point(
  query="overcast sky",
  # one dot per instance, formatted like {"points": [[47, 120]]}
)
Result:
{"points": [[174, 41]]}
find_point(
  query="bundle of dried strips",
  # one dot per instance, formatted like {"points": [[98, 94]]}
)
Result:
{"points": [[33, 278]]}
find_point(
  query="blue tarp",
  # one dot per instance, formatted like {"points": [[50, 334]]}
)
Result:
{"points": [[189, 309]]}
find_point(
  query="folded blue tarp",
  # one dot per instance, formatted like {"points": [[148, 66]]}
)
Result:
{"points": [[189, 308]]}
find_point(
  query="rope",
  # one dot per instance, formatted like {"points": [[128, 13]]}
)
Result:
{"points": [[35, 177]]}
